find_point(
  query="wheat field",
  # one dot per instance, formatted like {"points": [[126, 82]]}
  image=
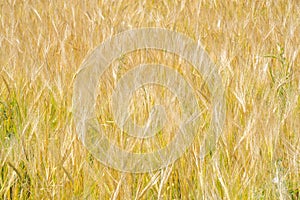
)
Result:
{"points": [[255, 45]]}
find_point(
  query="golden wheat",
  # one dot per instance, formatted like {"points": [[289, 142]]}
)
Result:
{"points": [[255, 45]]}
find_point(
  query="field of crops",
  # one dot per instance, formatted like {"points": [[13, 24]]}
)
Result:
{"points": [[255, 46]]}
